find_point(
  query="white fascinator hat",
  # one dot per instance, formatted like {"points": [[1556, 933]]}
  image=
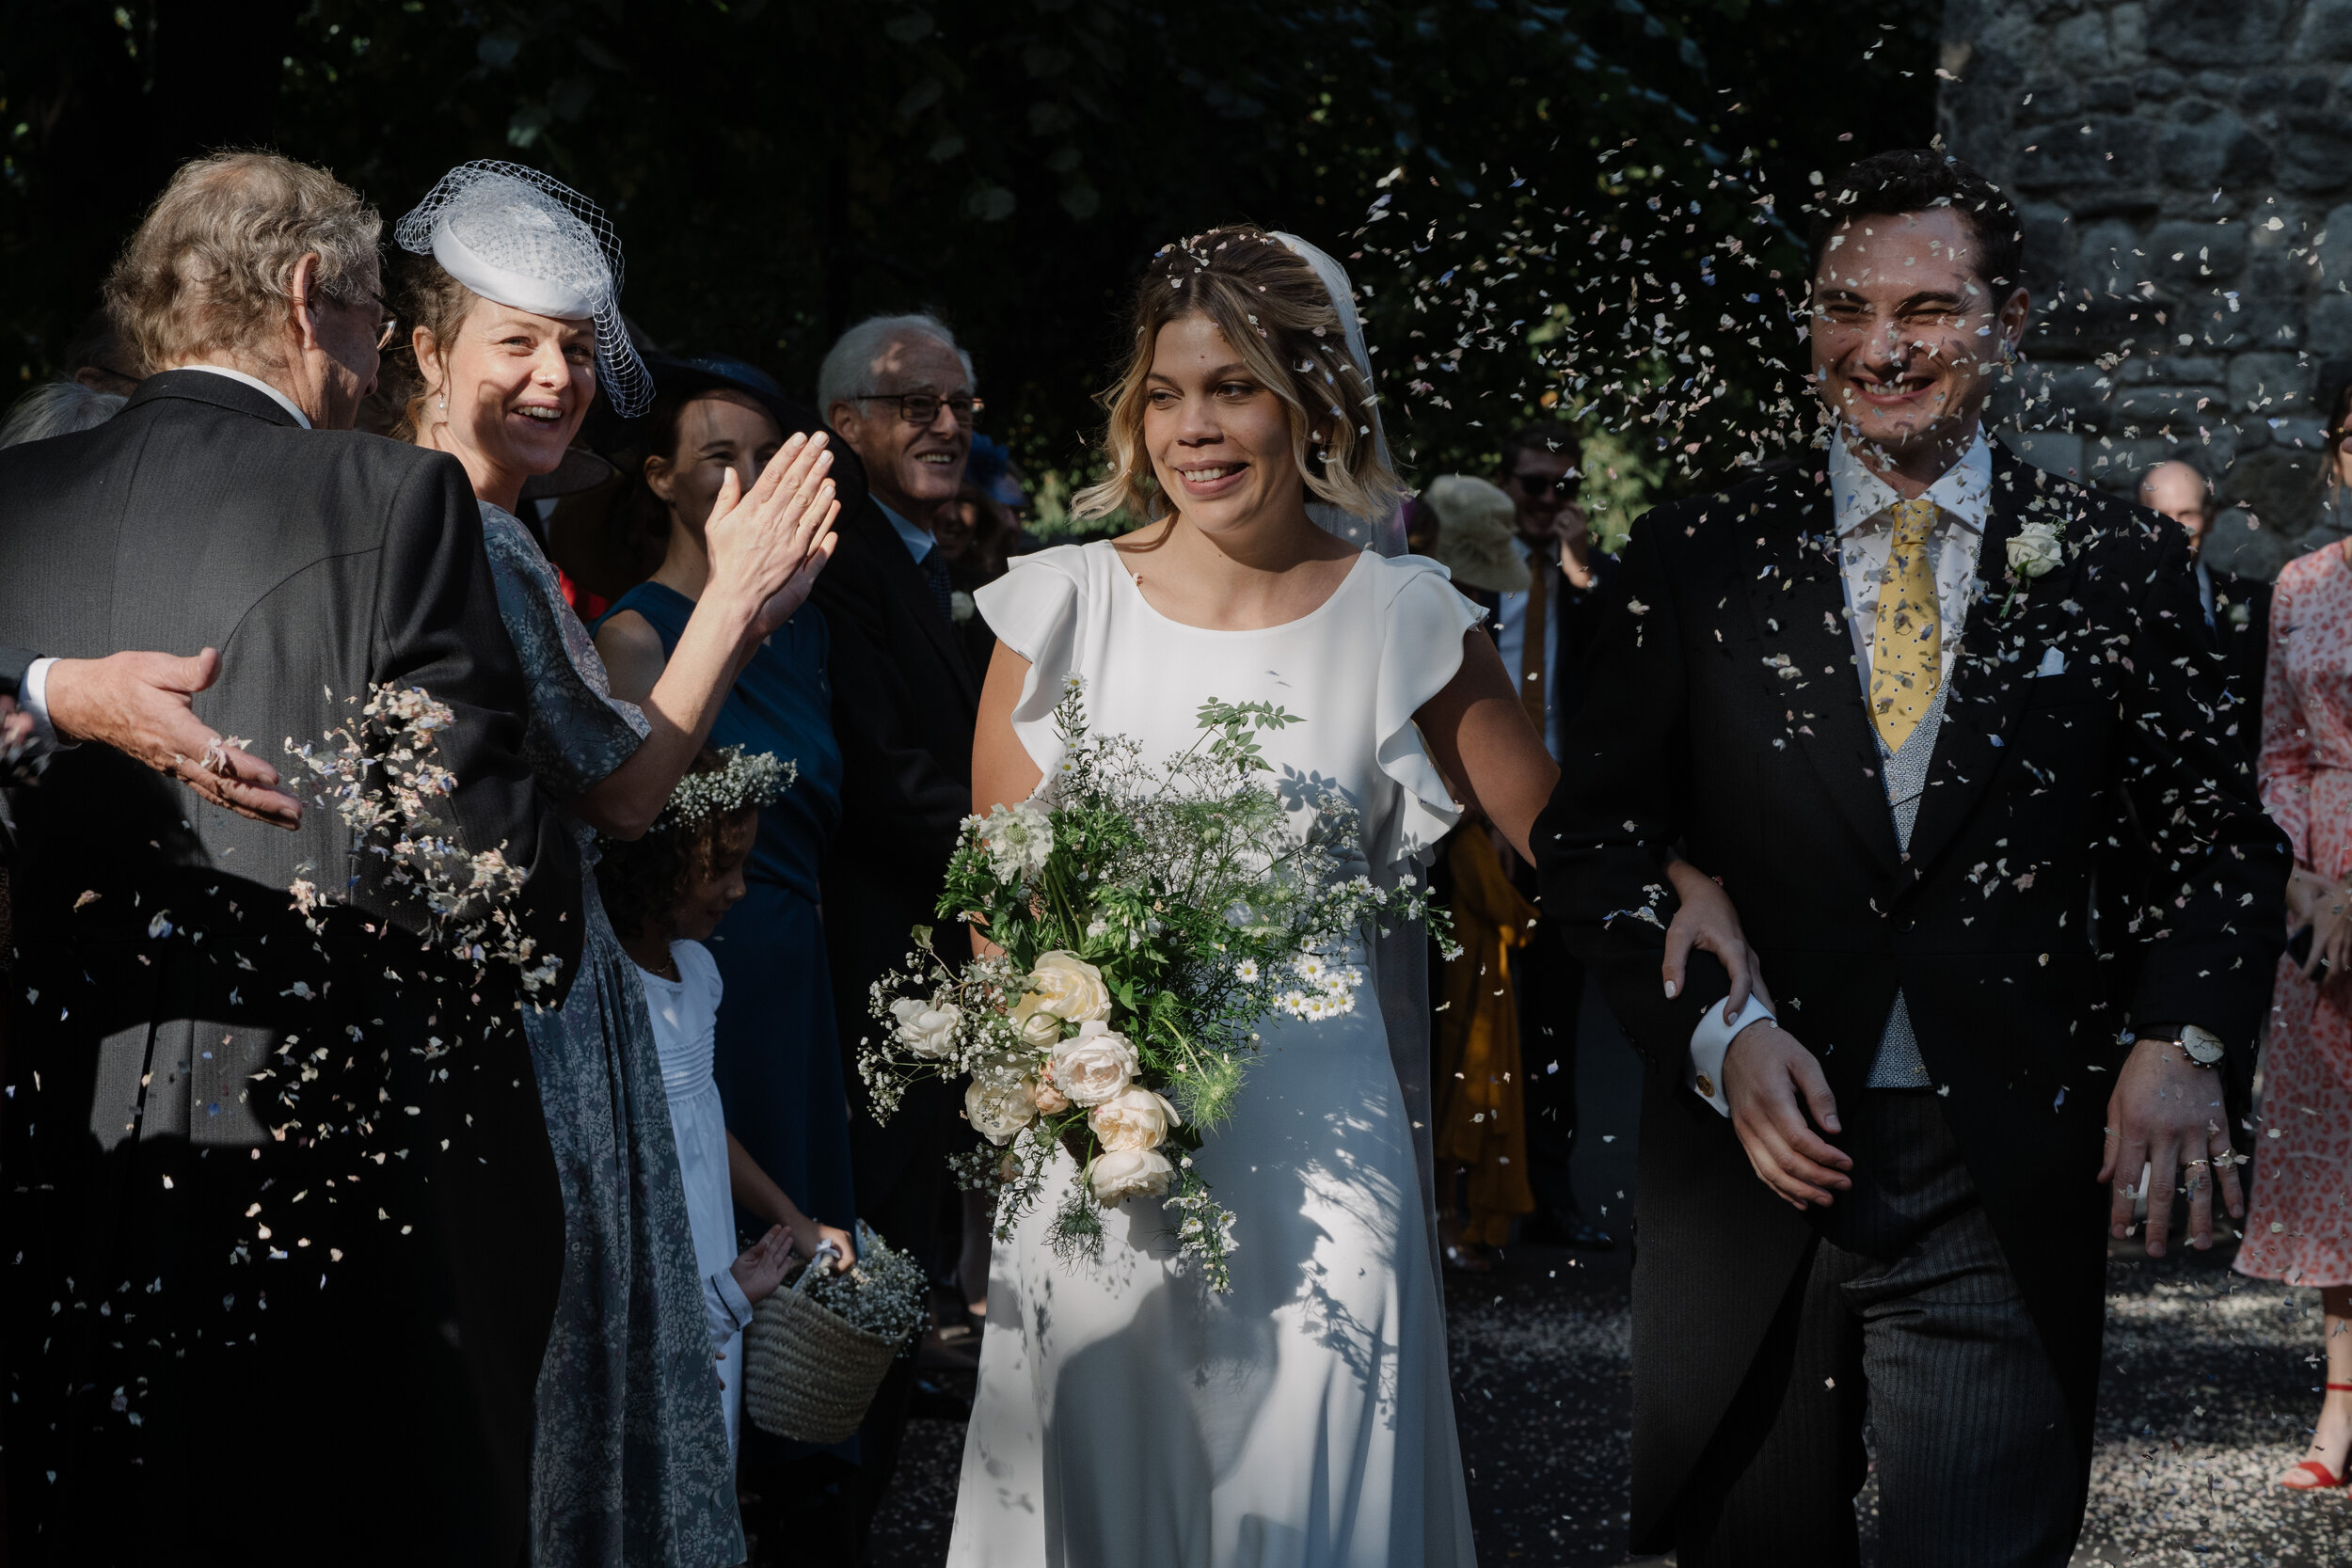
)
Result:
{"points": [[515, 236]]}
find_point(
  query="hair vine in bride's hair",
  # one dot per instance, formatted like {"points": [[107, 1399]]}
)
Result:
{"points": [[1295, 327]]}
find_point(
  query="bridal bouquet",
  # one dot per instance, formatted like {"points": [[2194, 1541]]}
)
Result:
{"points": [[1146, 919]]}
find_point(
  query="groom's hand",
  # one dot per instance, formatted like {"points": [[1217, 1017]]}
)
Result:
{"points": [[2166, 1114], [1772, 1081]]}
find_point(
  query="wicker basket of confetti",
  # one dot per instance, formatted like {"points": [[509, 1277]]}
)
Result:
{"points": [[817, 1350]]}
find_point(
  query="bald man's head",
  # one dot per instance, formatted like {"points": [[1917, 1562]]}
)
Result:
{"points": [[2181, 493]]}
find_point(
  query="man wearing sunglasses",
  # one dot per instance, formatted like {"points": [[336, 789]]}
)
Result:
{"points": [[1545, 635]]}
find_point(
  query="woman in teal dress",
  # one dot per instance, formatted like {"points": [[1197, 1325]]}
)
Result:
{"points": [[511, 298], [778, 1066]]}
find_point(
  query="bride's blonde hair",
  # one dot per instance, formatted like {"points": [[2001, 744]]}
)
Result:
{"points": [[1274, 311]]}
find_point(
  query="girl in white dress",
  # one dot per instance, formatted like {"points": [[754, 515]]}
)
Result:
{"points": [[1125, 1415], [666, 893]]}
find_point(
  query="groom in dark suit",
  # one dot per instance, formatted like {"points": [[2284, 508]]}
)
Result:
{"points": [[1897, 697], [282, 1229]]}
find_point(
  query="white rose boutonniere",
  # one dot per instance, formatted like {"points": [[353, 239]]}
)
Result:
{"points": [[2035, 550], [962, 607]]}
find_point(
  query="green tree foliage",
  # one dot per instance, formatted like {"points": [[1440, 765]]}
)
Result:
{"points": [[779, 167]]}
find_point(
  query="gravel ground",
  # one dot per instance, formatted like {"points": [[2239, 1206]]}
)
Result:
{"points": [[2207, 1395], [2209, 1391]]}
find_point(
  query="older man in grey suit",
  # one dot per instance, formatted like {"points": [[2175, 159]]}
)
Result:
{"points": [[281, 1230]]}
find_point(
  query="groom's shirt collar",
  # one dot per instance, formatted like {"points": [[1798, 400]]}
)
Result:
{"points": [[1963, 493]]}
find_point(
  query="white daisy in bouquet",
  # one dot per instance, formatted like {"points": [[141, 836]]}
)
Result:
{"points": [[1145, 919]]}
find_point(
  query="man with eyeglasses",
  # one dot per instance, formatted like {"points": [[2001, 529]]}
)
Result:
{"points": [[163, 1308], [906, 694], [1544, 635]]}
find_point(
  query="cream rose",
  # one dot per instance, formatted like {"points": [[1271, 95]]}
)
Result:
{"points": [[998, 1107], [1068, 987], [1129, 1173], [1136, 1117], [1093, 1065], [1039, 1029], [927, 1028], [1050, 1099]]}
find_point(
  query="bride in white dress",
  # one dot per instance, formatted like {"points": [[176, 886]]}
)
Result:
{"points": [[1125, 1415]]}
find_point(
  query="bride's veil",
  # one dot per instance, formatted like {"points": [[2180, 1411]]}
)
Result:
{"points": [[1400, 958]]}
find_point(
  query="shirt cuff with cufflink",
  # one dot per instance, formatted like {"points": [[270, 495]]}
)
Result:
{"points": [[1711, 1041]]}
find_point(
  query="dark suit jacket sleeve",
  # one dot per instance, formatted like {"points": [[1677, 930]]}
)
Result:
{"points": [[876, 716], [437, 626], [13, 663], [1620, 807], [2210, 925]]}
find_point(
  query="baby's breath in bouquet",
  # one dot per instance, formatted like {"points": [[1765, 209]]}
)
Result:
{"points": [[1147, 917]]}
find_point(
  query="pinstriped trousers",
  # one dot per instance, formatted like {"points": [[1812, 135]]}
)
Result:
{"points": [[1925, 1334]]}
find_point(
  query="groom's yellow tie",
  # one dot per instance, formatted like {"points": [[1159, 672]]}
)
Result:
{"points": [[1907, 646]]}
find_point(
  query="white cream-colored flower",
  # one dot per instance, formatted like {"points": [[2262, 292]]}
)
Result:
{"points": [[2036, 548], [1066, 986], [1050, 1099], [927, 1028], [1129, 1173], [999, 1107], [1039, 1029], [1017, 839], [1247, 972], [1092, 1067], [1136, 1117], [962, 607]]}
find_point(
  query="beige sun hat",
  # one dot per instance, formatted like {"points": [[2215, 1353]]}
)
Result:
{"points": [[1475, 523]]}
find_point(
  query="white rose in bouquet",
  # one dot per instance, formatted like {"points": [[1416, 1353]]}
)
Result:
{"points": [[1050, 1099], [1038, 1028], [1129, 1173], [927, 1028], [1135, 1118], [1000, 1105], [1066, 986], [1095, 1064]]}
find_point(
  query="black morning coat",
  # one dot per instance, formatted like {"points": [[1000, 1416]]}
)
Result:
{"points": [[905, 700], [1724, 714], [205, 1379]]}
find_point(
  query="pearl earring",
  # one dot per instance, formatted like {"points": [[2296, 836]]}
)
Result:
{"points": [[445, 405]]}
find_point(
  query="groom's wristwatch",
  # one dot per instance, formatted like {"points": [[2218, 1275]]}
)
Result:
{"points": [[2203, 1047]]}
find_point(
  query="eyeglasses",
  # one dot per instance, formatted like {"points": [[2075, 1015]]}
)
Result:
{"points": [[1560, 486], [386, 327], [921, 408]]}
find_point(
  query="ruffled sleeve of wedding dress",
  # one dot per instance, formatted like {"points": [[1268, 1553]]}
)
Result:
{"points": [[1034, 610], [1423, 617]]}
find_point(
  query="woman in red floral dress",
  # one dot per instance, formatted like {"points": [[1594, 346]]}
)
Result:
{"points": [[2300, 1229]]}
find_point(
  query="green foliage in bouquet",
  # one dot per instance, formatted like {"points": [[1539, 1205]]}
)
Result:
{"points": [[1148, 918]]}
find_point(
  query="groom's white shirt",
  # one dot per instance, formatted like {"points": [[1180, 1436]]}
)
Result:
{"points": [[1862, 504]]}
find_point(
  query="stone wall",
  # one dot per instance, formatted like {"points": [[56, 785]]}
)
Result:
{"points": [[2184, 172]]}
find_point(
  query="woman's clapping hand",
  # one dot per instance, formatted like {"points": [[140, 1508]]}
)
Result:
{"points": [[767, 544]]}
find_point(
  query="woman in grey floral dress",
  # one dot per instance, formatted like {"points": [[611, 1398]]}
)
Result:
{"points": [[512, 310]]}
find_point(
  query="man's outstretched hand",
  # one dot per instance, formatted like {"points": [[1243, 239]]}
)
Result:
{"points": [[2167, 1115], [1773, 1082], [140, 705]]}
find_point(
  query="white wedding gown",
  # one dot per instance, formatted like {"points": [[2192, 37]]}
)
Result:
{"points": [[1127, 1417]]}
